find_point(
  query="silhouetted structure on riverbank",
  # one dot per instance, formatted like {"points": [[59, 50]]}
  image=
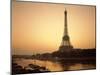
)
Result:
{"points": [[66, 44]]}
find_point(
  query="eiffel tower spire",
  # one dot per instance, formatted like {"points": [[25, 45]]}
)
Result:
{"points": [[65, 39], [65, 26]]}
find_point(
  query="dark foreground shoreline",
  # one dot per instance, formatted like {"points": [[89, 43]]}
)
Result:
{"points": [[64, 58]]}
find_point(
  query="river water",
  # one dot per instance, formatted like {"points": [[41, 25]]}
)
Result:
{"points": [[54, 66]]}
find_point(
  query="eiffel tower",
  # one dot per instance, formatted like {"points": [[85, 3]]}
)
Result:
{"points": [[65, 45]]}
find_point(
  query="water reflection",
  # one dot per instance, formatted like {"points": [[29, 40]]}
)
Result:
{"points": [[55, 65], [81, 66]]}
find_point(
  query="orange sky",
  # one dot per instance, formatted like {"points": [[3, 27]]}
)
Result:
{"points": [[38, 27]]}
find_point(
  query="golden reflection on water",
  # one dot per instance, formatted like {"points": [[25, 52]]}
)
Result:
{"points": [[80, 66], [76, 67], [49, 65], [53, 66]]}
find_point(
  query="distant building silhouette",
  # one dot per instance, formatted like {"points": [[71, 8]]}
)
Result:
{"points": [[65, 45]]}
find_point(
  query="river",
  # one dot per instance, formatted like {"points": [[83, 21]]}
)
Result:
{"points": [[54, 66]]}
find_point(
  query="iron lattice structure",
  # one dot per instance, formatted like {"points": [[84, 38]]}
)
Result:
{"points": [[65, 45]]}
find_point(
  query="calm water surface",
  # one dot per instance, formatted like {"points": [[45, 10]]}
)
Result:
{"points": [[54, 66]]}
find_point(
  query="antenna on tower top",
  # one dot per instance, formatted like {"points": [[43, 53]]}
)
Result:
{"points": [[65, 10]]}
